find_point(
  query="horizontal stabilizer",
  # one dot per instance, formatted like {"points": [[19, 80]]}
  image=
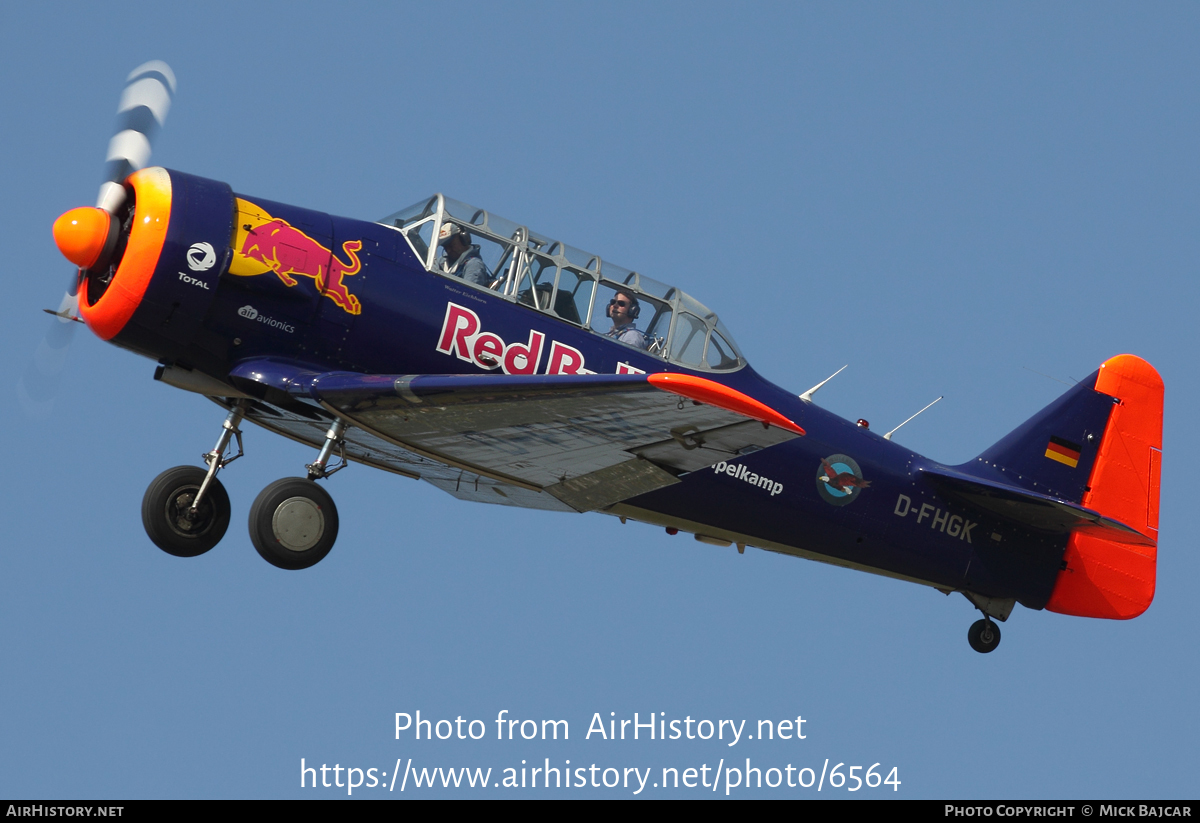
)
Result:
{"points": [[1041, 512]]}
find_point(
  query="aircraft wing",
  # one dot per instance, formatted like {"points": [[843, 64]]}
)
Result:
{"points": [[587, 441]]}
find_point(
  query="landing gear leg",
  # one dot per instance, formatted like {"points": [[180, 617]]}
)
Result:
{"points": [[294, 522], [216, 458], [185, 511], [334, 438], [984, 635]]}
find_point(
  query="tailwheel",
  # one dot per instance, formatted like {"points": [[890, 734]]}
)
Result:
{"points": [[293, 523], [984, 636], [173, 520]]}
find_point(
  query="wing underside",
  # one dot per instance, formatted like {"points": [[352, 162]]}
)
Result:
{"points": [[365, 448], [563, 443]]}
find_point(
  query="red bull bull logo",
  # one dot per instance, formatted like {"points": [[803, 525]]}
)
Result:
{"points": [[263, 244]]}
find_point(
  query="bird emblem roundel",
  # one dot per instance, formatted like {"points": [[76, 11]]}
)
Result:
{"points": [[840, 480]]}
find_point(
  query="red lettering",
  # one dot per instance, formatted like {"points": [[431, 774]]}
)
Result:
{"points": [[565, 359], [488, 350], [523, 359], [458, 328], [461, 337]]}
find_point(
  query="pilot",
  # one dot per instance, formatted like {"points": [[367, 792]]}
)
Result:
{"points": [[462, 259], [624, 310]]}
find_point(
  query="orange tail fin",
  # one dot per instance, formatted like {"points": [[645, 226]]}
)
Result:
{"points": [[1103, 578]]}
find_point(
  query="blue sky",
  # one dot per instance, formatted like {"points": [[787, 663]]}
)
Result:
{"points": [[954, 199]]}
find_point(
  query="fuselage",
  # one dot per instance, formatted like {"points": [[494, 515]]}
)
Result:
{"points": [[361, 300]]}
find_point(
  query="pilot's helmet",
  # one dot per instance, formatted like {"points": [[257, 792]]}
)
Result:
{"points": [[452, 230]]}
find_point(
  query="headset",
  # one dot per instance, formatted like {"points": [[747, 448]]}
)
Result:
{"points": [[452, 230], [635, 308]]}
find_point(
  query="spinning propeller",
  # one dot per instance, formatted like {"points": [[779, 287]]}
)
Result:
{"points": [[90, 237]]}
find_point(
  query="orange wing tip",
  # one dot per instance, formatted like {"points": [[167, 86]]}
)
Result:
{"points": [[80, 234], [707, 391]]}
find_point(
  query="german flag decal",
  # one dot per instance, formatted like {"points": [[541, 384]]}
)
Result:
{"points": [[1064, 451]]}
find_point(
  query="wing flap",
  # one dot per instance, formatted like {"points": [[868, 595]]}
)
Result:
{"points": [[600, 489], [689, 451]]}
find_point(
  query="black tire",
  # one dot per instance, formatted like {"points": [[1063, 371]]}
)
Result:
{"points": [[293, 523], [165, 507], [984, 636]]}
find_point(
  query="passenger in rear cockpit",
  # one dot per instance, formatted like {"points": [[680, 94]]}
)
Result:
{"points": [[623, 309], [462, 259]]}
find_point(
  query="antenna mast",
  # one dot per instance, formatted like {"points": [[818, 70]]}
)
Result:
{"points": [[807, 396], [888, 436]]}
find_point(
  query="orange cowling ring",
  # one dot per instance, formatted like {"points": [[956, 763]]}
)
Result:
{"points": [[152, 215]]}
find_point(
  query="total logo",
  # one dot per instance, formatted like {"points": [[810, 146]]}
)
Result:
{"points": [[201, 257], [251, 313], [193, 281]]}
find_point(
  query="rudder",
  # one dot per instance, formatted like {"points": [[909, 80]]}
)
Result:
{"points": [[1104, 578]]}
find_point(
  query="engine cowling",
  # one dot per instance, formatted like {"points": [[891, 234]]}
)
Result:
{"points": [[150, 283]]}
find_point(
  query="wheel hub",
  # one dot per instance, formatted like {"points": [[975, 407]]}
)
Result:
{"points": [[298, 524], [179, 512]]}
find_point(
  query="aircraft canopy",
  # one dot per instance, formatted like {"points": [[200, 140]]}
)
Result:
{"points": [[567, 283]]}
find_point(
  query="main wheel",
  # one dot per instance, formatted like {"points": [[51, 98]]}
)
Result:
{"points": [[984, 636], [166, 512], [293, 523]]}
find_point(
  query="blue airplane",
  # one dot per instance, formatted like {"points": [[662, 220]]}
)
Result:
{"points": [[448, 344]]}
